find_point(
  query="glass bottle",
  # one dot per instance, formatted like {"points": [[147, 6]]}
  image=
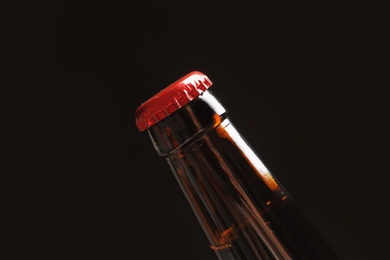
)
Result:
{"points": [[244, 211]]}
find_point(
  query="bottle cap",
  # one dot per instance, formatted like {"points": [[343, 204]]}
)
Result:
{"points": [[170, 99]]}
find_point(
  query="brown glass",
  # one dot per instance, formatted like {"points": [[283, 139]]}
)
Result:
{"points": [[243, 209]]}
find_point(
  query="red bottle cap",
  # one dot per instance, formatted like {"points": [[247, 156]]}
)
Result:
{"points": [[170, 99]]}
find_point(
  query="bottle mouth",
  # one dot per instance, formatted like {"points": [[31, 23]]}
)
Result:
{"points": [[170, 99], [188, 124]]}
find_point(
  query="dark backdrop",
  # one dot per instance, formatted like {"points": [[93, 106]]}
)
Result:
{"points": [[298, 81]]}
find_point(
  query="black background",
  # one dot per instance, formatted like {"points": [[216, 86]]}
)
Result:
{"points": [[298, 80]]}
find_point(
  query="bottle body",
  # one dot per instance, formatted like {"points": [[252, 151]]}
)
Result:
{"points": [[243, 209]]}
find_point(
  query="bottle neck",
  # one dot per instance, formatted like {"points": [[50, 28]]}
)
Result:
{"points": [[187, 124]]}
